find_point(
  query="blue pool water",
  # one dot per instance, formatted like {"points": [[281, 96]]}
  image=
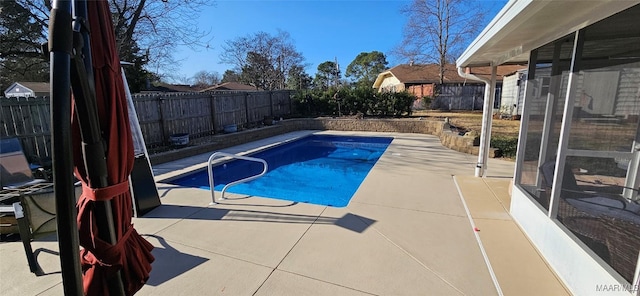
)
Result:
{"points": [[318, 169]]}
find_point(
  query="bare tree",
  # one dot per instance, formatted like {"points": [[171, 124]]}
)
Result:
{"points": [[261, 59], [179, 79], [149, 28], [205, 78], [437, 31]]}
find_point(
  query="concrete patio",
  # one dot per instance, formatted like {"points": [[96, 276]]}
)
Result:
{"points": [[420, 224]]}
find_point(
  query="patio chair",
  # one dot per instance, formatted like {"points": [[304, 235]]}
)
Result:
{"points": [[36, 216], [16, 174], [607, 223], [16, 178], [35, 213], [31, 201], [15, 170], [595, 203]]}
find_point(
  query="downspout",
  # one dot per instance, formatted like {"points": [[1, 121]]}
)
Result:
{"points": [[487, 112]]}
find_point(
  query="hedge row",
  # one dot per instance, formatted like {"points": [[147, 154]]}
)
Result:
{"points": [[351, 101]]}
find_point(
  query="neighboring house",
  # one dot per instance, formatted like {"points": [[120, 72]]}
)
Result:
{"points": [[417, 79], [27, 89], [231, 86], [576, 181], [424, 81], [513, 90], [511, 100]]}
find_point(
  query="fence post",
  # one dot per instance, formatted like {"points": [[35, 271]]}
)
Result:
{"points": [[246, 108], [290, 103], [213, 113], [161, 100], [271, 103]]}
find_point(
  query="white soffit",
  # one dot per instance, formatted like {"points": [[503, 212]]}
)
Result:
{"points": [[524, 25]]}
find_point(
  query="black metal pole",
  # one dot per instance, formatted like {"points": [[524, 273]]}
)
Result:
{"points": [[60, 46], [95, 163]]}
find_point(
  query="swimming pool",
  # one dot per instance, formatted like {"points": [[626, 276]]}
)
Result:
{"points": [[319, 169]]}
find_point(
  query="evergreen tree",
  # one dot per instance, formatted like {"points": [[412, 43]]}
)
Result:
{"points": [[230, 76], [328, 74], [21, 38], [366, 67], [298, 78]]}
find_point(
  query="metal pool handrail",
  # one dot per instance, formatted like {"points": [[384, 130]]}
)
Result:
{"points": [[210, 170]]}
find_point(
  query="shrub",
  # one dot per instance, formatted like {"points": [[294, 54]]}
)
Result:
{"points": [[507, 145], [363, 100], [426, 101]]}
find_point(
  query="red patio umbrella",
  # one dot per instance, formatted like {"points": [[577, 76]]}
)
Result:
{"points": [[123, 252]]}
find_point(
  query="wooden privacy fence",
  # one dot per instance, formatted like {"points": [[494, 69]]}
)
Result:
{"points": [[463, 97], [29, 119], [160, 115]]}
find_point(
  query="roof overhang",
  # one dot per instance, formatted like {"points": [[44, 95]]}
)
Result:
{"points": [[381, 77], [11, 87], [524, 25]]}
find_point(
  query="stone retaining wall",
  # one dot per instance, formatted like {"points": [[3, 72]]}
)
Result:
{"points": [[465, 144]]}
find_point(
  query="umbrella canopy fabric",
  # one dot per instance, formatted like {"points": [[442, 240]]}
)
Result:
{"points": [[131, 255]]}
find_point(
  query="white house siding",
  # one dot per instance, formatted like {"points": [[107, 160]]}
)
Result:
{"points": [[19, 95], [540, 90], [391, 83], [18, 91], [628, 92], [625, 88], [509, 93]]}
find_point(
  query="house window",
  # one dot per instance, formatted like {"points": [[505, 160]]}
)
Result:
{"points": [[595, 143], [544, 88]]}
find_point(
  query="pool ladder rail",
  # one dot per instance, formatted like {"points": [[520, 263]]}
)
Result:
{"points": [[247, 179]]}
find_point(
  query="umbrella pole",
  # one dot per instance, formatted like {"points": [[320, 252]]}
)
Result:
{"points": [[60, 45], [82, 81]]}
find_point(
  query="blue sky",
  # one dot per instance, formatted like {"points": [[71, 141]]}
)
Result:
{"points": [[320, 30]]}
